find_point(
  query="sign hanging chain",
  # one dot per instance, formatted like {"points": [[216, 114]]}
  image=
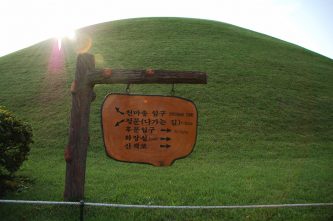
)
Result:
{"points": [[173, 90], [128, 89]]}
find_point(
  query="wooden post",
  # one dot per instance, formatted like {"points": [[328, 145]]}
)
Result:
{"points": [[76, 150], [82, 95]]}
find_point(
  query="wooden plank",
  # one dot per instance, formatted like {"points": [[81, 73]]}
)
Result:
{"points": [[149, 76], [150, 129]]}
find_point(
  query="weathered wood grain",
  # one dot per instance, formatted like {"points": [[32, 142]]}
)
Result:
{"points": [[149, 76], [76, 150]]}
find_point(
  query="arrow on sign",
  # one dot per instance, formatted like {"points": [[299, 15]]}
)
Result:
{"points": [[119, 122], [165, 138], [165, 145], [166, 130], [118, 110]]}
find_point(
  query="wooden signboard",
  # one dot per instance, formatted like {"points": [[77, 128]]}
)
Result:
{"points": [[170, 136], [148, 128]]}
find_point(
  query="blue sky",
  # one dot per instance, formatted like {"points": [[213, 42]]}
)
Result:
{"points": [[308, 23]]}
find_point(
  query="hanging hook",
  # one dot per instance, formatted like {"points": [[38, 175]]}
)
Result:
{"points": [[128, 88], [173, 90]]}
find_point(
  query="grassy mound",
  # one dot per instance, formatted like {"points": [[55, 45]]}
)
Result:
{"points": [[265, 123]]}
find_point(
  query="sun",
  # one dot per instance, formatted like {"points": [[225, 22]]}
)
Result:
{"points": [[71, 35], [57, 58]]}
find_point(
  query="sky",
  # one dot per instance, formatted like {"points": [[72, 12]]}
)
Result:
{"points": [[308, 23]]}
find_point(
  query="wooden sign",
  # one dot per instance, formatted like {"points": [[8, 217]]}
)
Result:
{"points": [[148, 128], [86, 77]]}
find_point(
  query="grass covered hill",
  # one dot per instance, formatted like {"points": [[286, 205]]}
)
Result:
{"points": [[265, 133]]}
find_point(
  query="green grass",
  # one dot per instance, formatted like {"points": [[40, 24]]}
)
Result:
{"points": [[265, 130]]}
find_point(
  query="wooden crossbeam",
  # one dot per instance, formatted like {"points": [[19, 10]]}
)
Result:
{"points": [[149, 76]]}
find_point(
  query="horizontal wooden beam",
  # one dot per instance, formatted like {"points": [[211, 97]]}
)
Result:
{"points": [[149, 76]]}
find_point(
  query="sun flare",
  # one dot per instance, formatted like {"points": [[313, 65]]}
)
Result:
{"points": [[71, 35], [59, 43]]}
